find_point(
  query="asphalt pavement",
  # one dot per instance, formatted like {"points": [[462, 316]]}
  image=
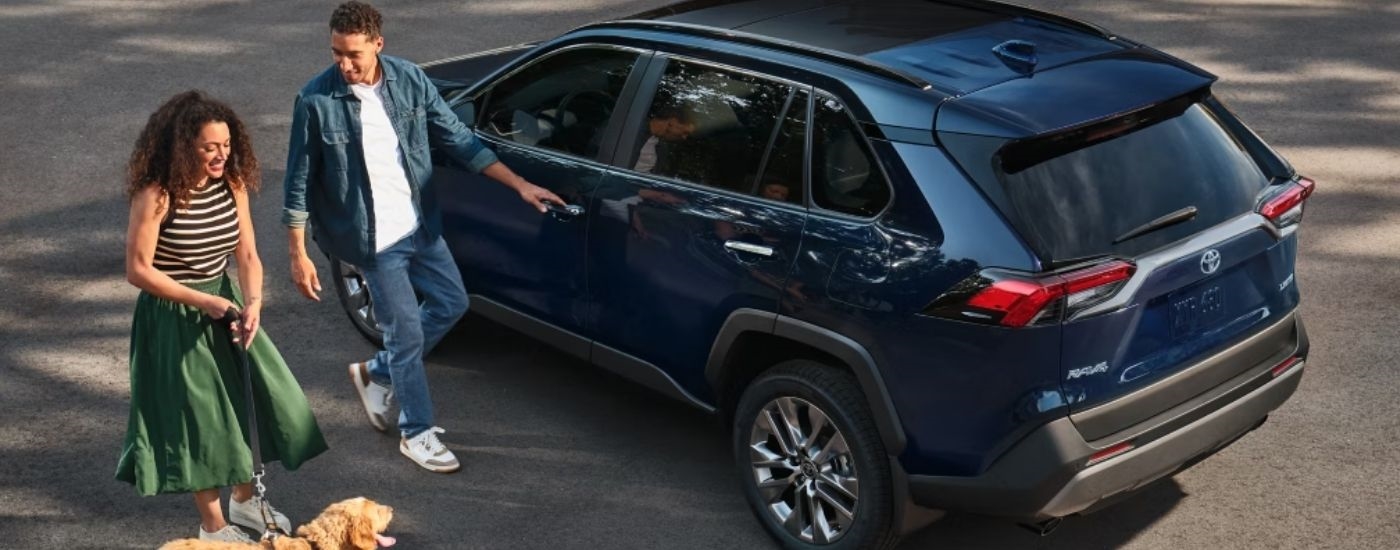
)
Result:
{"points": [[558, 454]]}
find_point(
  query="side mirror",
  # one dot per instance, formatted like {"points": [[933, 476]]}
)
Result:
{"points": [[466, 112]]}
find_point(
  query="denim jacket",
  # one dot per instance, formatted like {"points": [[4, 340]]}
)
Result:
{"points": [[327, 182]]}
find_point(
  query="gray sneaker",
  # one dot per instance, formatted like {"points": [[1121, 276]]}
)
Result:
{"points": [[428, 452], [228, 534], [374, 397], [249, 514]]}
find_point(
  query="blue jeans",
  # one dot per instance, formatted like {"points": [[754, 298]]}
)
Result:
{"points": [[411, 330]]}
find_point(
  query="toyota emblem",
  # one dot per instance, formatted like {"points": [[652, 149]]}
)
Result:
{"points": [[1210, 261]]}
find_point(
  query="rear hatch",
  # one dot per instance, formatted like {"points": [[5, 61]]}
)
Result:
{"points": [[1142, 196]]}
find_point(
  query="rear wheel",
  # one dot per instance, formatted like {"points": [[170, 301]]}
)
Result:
{"points": [[814, 469]]}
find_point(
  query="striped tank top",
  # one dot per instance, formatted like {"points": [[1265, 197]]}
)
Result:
{"points": [[195, 243]]}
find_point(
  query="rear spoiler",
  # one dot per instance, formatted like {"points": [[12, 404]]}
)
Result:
{"points": [[1072, 95], [1021, 154]]}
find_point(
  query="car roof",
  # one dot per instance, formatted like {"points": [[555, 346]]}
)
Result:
{"points": [[947, 45]]}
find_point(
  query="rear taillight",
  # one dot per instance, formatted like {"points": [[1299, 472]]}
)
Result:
{"points": [[1285, 206], [1012, 299]]}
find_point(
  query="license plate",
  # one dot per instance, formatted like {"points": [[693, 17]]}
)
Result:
{"points": [[1196, 311]]}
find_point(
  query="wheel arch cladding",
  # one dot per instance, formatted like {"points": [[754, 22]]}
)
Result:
{"points": [[751, 341]]}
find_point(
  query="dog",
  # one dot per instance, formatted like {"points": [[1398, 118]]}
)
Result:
{"points": [[352, 524]]}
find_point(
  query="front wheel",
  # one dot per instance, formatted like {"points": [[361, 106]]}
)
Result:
{"points": [[354, 297], [814, 468]]}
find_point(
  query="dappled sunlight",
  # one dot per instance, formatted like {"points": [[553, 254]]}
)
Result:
{"points": [[91, 369], [23, 502], [108, 11], [1362, 239], [276, 121], [1279, 4], [552, 454], [540, 434], [1235, 73], [539, 7], [1334, 166], [53, 74], [34, 10], [99, 292], [1217, 12], [197, 44]]}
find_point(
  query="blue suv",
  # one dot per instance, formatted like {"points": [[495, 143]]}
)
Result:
{"points": [[951, 255]]}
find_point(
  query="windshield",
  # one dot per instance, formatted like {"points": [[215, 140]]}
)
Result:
{"points": [[1073, 195]]}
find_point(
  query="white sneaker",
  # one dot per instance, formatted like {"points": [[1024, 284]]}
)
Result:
{"points": [[228, 534], [375, 398], [249, 514], [428, 452]]}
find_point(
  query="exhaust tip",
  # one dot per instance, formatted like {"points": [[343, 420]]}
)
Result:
{"points": [[1043, 528]]}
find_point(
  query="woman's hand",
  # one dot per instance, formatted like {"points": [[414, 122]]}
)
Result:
{"points": [[216, 306], [252, 316]]}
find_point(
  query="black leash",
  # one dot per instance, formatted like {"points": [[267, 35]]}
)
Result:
{"points": [[233, 319]]}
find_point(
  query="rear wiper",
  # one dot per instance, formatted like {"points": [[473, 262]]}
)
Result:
{"points": [[1185, 214], [1059, 264]]}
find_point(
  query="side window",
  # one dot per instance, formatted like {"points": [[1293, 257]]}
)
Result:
{"points": [[845, 175], [782, 175], [562, 102], [709, 126]]}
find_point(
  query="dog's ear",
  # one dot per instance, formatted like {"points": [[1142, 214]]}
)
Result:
{"points": [[361, 531]]}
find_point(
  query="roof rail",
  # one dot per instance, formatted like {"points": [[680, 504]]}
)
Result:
{"points": [[1023, 11], [752, 39]]}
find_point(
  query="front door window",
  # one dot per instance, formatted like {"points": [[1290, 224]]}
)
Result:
{"points": [[562, 102]]}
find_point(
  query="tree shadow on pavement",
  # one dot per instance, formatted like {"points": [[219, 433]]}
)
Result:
{"points": [[558, 453]]}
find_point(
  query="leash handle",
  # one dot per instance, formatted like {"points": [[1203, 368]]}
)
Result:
{"points": [[232, 317]]}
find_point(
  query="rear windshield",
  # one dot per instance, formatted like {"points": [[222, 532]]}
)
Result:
{"points": [[1074, 195]]}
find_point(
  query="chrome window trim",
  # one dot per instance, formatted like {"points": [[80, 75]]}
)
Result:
{"points": [[869, 147]]}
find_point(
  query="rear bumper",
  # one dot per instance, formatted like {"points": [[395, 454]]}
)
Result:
{"points": [[1045, 476]]}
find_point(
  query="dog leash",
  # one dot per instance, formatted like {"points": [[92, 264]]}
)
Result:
{"points": [[271, 530]]}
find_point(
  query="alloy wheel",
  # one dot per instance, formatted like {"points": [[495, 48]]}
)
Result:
{"points": [[356, 300], [804, 470]]}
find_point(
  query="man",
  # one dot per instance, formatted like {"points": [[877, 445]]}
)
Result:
{"points": [[357, 170], [668, 124]]}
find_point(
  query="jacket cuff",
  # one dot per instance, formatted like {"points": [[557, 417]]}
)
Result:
{"points": [[482, 159], [294, 218]]}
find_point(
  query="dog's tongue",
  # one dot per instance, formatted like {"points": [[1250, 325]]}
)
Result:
{"points": [[384, 542]]}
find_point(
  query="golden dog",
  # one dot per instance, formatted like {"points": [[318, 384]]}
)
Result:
{"points": [[354, 524]]}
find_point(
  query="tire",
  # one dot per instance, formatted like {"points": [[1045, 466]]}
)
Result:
{"points": [[815, 496], [355, 300]]}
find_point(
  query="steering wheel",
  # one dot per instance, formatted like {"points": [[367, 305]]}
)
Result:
{"points": [[607, 101]]}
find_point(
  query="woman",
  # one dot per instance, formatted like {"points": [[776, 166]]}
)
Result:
{"points": [[188, 182]]}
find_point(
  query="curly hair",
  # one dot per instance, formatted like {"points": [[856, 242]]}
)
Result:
{"points": [[357, 17], [166, 152]]}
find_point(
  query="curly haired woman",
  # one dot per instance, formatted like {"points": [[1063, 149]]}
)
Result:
{"points": [[188, 181]]}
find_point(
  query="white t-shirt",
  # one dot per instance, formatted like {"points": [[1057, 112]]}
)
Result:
{"points": [[394, 214]]}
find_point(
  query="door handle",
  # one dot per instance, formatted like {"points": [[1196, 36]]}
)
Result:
{"points": [[564, 211], [751, 248]]}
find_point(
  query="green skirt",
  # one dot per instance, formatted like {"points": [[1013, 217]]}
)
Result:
{"points": [[186, 429]]}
